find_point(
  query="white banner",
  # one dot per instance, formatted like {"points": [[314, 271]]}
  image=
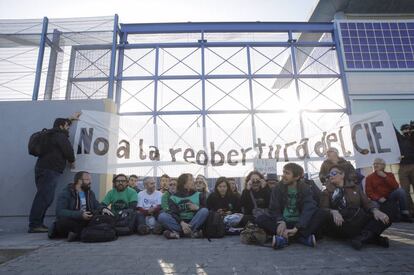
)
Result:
{"points": [[108, 143]]}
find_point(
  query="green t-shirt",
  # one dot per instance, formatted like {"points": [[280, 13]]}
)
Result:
{"points": [[291, 212], [181, 202], [164, 201], [120, 200]]}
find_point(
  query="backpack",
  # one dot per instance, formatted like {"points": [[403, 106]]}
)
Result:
{"points": [[252, 234], [125, 222], [214, 226], [38, 142], [99, 229]]}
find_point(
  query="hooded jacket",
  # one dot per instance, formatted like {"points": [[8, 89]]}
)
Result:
{"points": [[304, 203], [59, 151], [68, 203]]}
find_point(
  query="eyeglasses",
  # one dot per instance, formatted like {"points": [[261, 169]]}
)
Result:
{"points": [[334, 173], [121, 181]]}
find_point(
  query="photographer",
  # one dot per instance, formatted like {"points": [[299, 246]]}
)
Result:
{"points": [[406, 171]]}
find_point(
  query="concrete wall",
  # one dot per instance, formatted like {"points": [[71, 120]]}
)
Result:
{"points": [[18, 121]]}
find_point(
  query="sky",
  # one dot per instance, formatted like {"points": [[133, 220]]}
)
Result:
{"points": [[152, 11]]}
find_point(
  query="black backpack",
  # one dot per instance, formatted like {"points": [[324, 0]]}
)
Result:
{"points": [[101, 228], [38, 142], [214, 226], [125, 222]]}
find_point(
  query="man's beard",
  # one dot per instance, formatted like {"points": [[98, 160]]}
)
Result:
{"points": [[85, 187], [120, 188]]}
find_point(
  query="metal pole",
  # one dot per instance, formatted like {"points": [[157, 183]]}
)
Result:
{"points": [[157, 53], [39, 65], [119, 79], [249, 71], [203, 97], [113, 59]]}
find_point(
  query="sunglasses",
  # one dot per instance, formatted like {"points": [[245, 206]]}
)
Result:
{"points": [[334, 173]]}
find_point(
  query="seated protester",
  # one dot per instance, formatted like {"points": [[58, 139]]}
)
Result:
{"points": [[166, 196], [201, 185], [149, 206], [224, 202], [164, 183], [256, 195], [233, 186], [382, 186], [353, 215], [334, 159], [74, 208], [121, 196], [292, 213], [186, 213], [133, 183]]}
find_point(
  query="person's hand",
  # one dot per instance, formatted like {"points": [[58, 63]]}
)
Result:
{"points": [[186, 228], [281, 228], [263, 183], [337, 217], [75, 116], [290, 232], [192, 206], [249, 185], [381, 174], [381, 216], [108, 212], [382, 200], [87, 215]]}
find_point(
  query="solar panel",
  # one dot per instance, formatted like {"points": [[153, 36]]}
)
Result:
{"points": [[377, 45]]}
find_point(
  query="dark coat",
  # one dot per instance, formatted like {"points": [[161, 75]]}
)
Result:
{"points": [[304, 202], [59, 151], [68, 203], [230, 202], [262, 198]]}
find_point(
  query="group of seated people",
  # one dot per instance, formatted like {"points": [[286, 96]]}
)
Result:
{"points": [[292, 210]]}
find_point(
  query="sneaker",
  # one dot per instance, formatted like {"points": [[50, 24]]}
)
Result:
{"points": [[197, 234], [143, 229], [382, 241], [52, 231], [308, 241], [72, 236], [171, 234], [279, 242], [38, 229]]}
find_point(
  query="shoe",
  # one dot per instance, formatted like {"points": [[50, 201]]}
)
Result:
{"points": [[157, 230], [72, 236], [279, 242], [356, 244], [382, 241], [406, 218], [364, 237], [143, 229], [197, 234], [171, 234], [38, 229], [52, 231], [308, 241]]}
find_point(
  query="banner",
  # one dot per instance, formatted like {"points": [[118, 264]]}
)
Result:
{"points": [[108, 143]]}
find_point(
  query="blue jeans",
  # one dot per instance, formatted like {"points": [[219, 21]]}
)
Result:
{"points": [[398, 196], [196, 222], [46, 181]]}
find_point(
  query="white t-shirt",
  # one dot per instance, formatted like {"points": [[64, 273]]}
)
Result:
{"points": [[147, 201]]}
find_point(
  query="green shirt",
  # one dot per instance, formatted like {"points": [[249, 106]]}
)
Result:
{"points": [[291, 212], [164, 201], [181, 202], [120, 200]]}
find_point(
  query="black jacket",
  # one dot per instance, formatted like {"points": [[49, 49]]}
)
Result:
{"points": [[262, 198], [230, 202], [304, 202], [406, 145], [68, 203], [59, 151]]}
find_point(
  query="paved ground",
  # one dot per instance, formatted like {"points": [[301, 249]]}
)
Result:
{"points": [[155, 255]]}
